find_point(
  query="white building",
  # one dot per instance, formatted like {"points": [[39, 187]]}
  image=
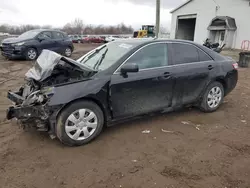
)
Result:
{"points": [[223, 21]]}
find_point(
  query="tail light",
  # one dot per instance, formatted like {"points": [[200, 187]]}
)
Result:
{"points": [[235, 66]]}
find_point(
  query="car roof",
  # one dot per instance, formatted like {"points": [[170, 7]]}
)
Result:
{"points": [[40, 30], [145, 41], [140, 41]]}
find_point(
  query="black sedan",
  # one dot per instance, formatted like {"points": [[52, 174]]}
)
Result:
{"points": [[74, 100], [31, 43]]}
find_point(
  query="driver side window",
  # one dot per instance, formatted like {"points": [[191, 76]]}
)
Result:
{"points": [[151, 56], [46, 35]]}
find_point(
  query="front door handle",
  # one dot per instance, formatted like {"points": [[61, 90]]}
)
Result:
{"points": [[210, 67], [166, 75]]}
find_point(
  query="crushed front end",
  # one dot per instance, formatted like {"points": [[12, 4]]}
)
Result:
{"points": [[31, 102], [31, 106]]}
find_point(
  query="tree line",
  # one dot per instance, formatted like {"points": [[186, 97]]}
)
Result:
{"points": [[75, 27]]}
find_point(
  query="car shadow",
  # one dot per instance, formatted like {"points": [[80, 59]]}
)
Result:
{"points": [[144, 119]]}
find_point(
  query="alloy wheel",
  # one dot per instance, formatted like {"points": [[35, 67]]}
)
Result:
{"points": [[214, 97], [81, 124], [68, 52], [32, 54]]}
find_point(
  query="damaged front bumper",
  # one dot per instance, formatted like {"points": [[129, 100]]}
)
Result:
{"points": [[24, 113], [40, 116]]}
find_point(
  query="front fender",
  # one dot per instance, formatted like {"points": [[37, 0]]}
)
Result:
{"points": [[98, 88]]}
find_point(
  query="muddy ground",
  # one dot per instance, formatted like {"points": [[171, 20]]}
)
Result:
{"points": [[199, 151]]}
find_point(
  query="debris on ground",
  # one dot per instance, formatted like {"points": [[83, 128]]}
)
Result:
{"points": [[146, 132], [165, 131], [243, 121], [134, 160], [135, 169], [197, 127], [185, 123]]}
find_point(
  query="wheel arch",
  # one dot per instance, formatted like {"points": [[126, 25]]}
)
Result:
{"points": [[223, 83], [34, 47], [221, 80]]}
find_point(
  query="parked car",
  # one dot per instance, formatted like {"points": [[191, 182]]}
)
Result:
{"points": [[111, 38], [74, 100], [93, 39], [76, 38], [31, 43]]}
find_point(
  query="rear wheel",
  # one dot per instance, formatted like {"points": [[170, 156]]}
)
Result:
{"points": [[213, 97], [79, 123], [31, 54]]}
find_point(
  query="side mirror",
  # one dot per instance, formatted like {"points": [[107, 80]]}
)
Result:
{"points": [[131, 67]]}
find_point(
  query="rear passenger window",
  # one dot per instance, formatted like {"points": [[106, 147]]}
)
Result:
{"points": [[58, 35], [184, 53], [203, 56], [46, 34]]}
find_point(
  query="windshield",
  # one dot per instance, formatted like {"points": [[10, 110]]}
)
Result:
{"points": [[28, 34], [106, 55]]}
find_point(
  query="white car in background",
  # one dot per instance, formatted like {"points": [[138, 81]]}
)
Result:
{"points": [[111, 38]]}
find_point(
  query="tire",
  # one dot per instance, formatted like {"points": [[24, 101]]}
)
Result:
{"points": [[213, 97], [68, 51], [78, 136], [31, 54]]}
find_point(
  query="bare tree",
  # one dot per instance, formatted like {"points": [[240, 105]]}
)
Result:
{"points": [[75, 27], [78, 25]]}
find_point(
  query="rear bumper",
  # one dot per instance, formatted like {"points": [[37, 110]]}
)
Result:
{"points": [[231, 81]]}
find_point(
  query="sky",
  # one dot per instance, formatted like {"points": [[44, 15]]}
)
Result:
{"points": [[106, 12]]}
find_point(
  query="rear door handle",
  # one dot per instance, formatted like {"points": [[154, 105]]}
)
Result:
{"points": [[210, 67]]}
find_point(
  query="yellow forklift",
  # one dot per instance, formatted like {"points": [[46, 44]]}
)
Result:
{"points": [[145, 32]]}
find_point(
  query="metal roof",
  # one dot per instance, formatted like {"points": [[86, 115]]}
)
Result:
{"points": [[183, 4], [222, 23]]}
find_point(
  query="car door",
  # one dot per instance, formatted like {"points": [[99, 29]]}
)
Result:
{"points": [[148, 90], [47, 41], [191, 69], [59, 42]]}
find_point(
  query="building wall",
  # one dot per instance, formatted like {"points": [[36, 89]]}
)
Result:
{"points": [[206, 11]]}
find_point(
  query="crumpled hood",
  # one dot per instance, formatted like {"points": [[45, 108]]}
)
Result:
{"points": [[45, 64]]}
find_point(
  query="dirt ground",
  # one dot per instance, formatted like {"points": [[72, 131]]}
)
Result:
{"points": [[183, 149]]}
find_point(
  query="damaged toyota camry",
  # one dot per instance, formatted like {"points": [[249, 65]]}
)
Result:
{"points": [[74, 100]]}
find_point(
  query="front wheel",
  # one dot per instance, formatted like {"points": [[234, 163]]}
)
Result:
{"points": [[31, 54], [213, 97], [68, 52], [79, 123]]}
